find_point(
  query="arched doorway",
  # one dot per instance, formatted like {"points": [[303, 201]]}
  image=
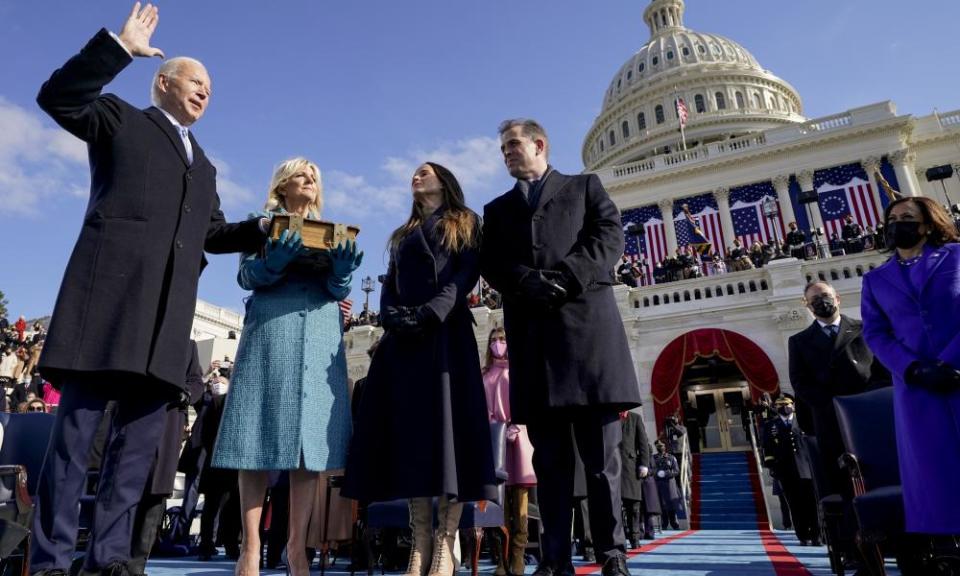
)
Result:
{"points": [[713, 372]]}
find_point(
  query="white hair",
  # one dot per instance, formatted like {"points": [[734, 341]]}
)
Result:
{"points": [[169, 68]]}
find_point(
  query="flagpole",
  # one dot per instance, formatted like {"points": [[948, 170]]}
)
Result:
{"points": [[683, 136], [676, 109]]}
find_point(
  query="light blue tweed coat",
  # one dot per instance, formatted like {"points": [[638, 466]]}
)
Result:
{"points": [[288, 402]]}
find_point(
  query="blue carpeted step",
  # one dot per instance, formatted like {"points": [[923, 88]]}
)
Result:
{"points": [[726, 497]]}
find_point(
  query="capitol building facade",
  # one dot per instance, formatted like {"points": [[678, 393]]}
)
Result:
{"points": [[707, 346]]}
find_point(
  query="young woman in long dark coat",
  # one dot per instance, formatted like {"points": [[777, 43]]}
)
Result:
{"points": [[422, 429]]}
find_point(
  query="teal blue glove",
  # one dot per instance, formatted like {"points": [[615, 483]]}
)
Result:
{"points": [[282, 251], [345, 259]]}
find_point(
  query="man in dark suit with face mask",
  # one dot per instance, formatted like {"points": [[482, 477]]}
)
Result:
{"points": [[828, 359]]}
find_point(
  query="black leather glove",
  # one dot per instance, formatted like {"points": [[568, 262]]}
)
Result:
{"points": [[425, 316], [408, 319], [933, 375], [391, 317], [538, 287]]}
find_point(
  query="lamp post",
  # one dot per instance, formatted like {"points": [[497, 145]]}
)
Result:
{"points": [[367, 286], [771, 211]]}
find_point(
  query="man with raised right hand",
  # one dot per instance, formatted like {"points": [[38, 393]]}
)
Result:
{"points": [[121, 326]]}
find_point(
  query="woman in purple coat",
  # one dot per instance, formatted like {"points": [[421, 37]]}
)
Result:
{"points": [[911, 320]]}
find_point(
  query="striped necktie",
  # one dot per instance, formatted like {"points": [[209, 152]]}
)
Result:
{"points": [[185, 137]]}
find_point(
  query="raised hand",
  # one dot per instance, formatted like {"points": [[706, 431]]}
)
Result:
{"points": [[282, 251], [138, 29], [345, 258]]}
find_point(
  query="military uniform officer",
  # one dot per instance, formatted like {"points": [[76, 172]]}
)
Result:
{"points": [[781, 454]]}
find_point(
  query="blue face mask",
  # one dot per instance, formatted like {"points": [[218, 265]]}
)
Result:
{"points": [[786, 410]]}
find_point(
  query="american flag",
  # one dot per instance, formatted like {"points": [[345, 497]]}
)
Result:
{"points": [[845, 190], [746, 210], [652, 243], [682, 112], [346, 307], [704, 210]]}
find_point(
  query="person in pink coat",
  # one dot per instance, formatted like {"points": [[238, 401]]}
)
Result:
{"points": [[519, 461]]}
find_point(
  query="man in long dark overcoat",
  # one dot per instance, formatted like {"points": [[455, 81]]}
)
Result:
{"points": [[549, 247], [121, 326], [828, 359]]}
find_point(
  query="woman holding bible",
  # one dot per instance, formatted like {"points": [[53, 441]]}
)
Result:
{"points": [[288, 407]]}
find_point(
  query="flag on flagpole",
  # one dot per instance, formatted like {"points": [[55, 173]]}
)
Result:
{"points": [[682, 114]]}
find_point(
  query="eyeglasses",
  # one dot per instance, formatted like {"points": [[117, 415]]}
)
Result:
{"points": [[36, 408]]}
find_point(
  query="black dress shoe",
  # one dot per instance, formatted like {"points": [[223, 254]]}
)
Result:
{"points": [[589, 555], [816, 542], [51, 572], [804, 543], [615, 566]]}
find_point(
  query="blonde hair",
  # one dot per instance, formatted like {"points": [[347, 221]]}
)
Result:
{"points": [[282, 174]]}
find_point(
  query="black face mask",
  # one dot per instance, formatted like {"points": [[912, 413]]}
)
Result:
{"points": [[903, 234], [824, 306]]}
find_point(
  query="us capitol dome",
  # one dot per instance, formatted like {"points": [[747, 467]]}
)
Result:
{"points": [[726, 91]]}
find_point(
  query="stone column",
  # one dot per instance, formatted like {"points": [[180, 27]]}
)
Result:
{"points": [[726, 221], [805, 178], [903, 163], [666, 209], [872, 166], [782, 185]]}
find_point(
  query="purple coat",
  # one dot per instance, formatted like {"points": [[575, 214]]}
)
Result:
{"points": [[918, 318]]}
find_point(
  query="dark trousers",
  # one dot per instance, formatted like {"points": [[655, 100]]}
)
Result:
{"points": [[632, 515], [130, 451], [145, 527], [598, 435], [803, 507], [221, 514]]}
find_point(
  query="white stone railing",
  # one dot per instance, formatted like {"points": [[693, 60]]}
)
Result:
{"points": [[750, 286], [843, 269], [744, 144], [828, 123], [738, 144], [218, 315], [710, 291], [692, 156], [685, 156], [633, 168]]}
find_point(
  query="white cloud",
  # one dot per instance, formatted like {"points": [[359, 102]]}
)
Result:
{"points": [[38, 161], [232, 193], [474, 161]]}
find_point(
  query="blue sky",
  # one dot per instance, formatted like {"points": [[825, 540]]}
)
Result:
{"points": [[371, 88]]}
